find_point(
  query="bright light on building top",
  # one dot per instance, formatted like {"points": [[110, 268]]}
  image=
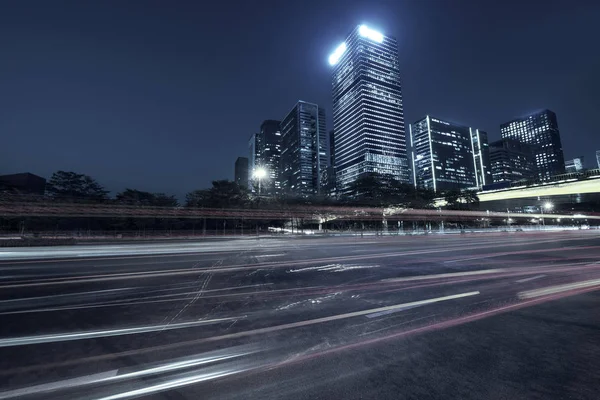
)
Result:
{"points": [[369, 33], [337, 54]]}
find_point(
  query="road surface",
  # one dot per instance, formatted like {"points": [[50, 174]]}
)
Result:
{"points": [[483, 316]]}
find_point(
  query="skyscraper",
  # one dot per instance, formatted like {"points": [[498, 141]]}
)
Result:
{"points": [[598, 158], [241, 171], [303, 149], [265, 148], [540, 130], [447, 156], [574, 165], [511, 161], [368, 116]]}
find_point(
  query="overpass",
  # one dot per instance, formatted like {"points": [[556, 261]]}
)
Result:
{"points": [[565, 185]]}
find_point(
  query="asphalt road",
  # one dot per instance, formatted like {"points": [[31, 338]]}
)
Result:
{"points": [[484, 316]]}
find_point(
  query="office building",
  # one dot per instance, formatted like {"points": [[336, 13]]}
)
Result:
{"points": [[270, 135], [481, 154], [241, 171], [512, 161], [303, 149], [574, 165], [264, 152], [539, 130], [23, 183], [368, 116], [443, 155]]}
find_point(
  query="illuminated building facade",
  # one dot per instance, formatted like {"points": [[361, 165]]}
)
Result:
{"points": [[539, 130], [574, 165], [303, 149], [268, 145], [512, 161], [368, 116], [446, 156]]}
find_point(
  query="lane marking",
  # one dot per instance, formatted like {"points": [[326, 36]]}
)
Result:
{"points": [[530, 279]]}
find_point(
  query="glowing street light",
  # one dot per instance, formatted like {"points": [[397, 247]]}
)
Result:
{"points": [[546, 206], [259, 174]]}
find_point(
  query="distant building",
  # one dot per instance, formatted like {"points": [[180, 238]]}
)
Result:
{"points": [[264, 152], [512, 161], [368, 115], [574, 165], [241, 171], [269, 146], [598, 157], [24, 183], [303, 149], [539, 130], [443, 155]]}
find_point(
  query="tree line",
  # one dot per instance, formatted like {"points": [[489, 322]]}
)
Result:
{"points": [[371, 190]]}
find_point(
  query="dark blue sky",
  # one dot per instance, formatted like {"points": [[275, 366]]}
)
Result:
{"points": [[163, 95]]}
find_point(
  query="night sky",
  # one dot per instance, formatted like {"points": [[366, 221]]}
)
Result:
{"points": [[164, 95]]}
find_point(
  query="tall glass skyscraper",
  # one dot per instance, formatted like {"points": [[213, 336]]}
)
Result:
{"points": [[303, 149], [447, 156], [539, 130], [368, 116]]}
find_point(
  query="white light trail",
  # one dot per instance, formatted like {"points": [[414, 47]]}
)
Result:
{"points": [[558, 289], [64, 337]]}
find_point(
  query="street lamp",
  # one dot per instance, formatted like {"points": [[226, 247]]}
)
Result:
{"points": [[548, 206], [259, 174]]}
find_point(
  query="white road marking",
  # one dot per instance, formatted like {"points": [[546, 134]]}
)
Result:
{"points": [[530, 279]]}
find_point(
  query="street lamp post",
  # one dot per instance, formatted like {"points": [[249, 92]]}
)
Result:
{"points": [[548, 206], [259, 174]]}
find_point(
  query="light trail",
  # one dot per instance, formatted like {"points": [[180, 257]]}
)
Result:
{"points": [[530, 294], [116, 375], [63, 337], [241, 267]]}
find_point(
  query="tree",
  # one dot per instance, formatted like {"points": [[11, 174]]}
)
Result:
{"points": [[197, 198], [452, 198], [383, 191], [140, 198], [222, 194], [460, 200], [70, 186], [470, 197]]}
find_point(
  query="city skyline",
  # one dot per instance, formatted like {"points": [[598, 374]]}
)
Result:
{"points": [[61, 104]]}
